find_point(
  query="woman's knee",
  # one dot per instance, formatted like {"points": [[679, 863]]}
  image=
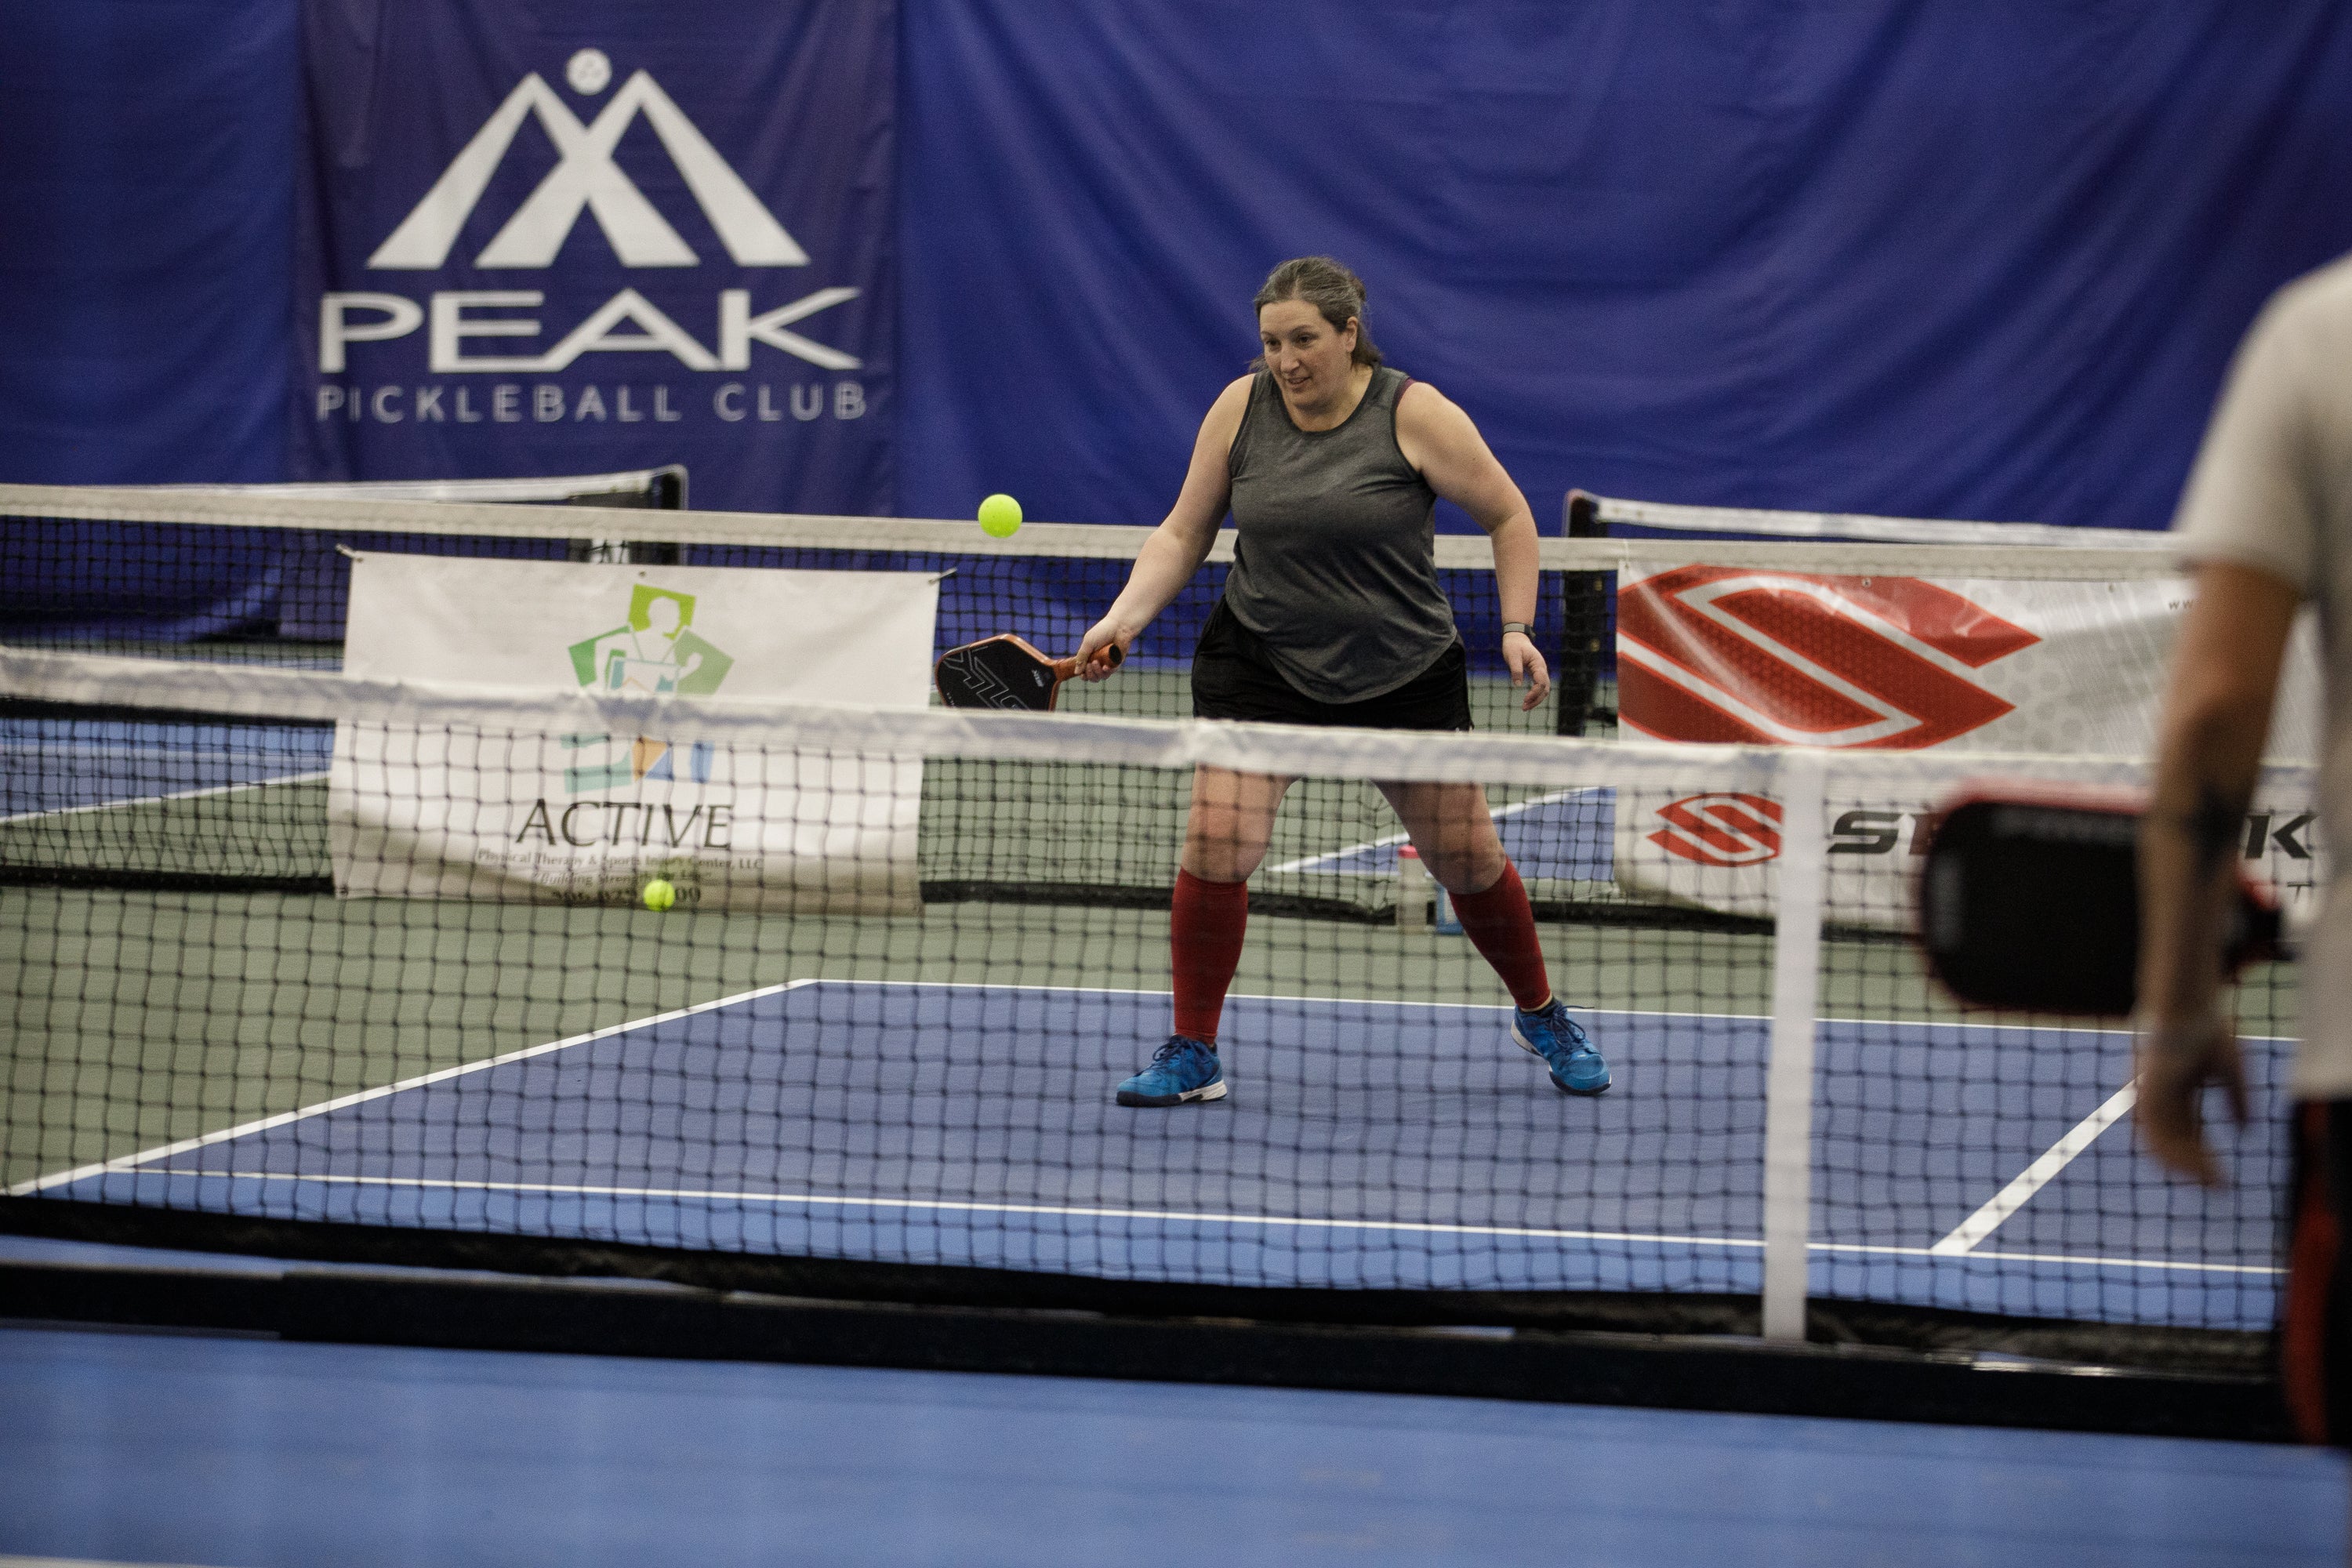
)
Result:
{"points": [[1455, 835], [1222, 848], [1468, 868], [1219, 862], [1230, 825]]}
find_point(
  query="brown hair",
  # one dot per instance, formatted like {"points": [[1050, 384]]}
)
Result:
{"points": [[1336, 293]]}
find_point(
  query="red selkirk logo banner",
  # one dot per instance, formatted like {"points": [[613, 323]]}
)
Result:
{"points": [[1720, 828], [1733, 654]]}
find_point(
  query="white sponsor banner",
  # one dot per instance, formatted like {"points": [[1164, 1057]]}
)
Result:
{"points": [[1719, 849], [1884, 662], [461, 813]]}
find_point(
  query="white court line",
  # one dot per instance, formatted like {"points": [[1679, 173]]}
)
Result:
{"points": [[1498, 812], [2083, 1259], [951, 1206], [2128, 1262], [1071, 1211], [127, 1161], [159, 799], [2039, 1175]]}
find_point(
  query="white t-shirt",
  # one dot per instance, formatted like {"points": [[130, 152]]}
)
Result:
{"points": [[2273, 489]]}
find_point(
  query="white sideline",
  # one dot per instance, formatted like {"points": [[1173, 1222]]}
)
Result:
{"points": [[2035, 1177], [1204, 1216], [164, 799], [360, 1096]]}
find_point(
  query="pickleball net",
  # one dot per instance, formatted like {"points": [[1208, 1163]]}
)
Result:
{"points": [[264, 576], [304, 950]]}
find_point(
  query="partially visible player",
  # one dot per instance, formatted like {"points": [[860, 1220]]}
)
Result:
{"points": [[2267, 523], [1331, 463]]}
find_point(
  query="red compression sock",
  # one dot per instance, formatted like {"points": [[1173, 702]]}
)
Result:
{"points": [[1205, 922], [1503, 928]]}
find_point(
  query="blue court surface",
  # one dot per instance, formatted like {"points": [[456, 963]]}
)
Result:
{"points": [[1365, 1144], [82, 765], [250, 1454]]}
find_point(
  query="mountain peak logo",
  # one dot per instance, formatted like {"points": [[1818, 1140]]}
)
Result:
{"points": [[587, 178], [1763, 657]]}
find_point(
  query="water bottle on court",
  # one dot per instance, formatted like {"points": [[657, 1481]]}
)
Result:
{"points": [[1414, 886], [1449, 923]]}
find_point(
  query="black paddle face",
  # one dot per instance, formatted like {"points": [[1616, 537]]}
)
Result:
{"points": [[2033, 903], [1001, 672], [1006, 672]]}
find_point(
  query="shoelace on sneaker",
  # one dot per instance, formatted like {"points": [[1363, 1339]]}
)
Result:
{"points": [[1564, 1029], [1170, 1051]]}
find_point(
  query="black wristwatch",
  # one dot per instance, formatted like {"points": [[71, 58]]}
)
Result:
{"points": [[1518, 627]]}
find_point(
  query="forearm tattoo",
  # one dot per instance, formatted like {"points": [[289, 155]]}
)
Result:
{"points": [[2213, 825]]}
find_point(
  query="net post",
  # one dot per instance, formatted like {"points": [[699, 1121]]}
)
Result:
{"points": [[1583, 619], [1788, 1082], [664, 490]]}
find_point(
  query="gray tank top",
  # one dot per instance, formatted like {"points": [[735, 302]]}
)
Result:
{"points": [[1335, 566]]}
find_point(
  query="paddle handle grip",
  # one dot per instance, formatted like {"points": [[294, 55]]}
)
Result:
{"points": [[1111, 653]]}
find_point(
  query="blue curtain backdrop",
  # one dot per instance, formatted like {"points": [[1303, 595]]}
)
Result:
{"points": [[1981, 261], [146, 239]]}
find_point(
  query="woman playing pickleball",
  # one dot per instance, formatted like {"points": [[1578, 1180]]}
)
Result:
{"points": [[1331, 464]]}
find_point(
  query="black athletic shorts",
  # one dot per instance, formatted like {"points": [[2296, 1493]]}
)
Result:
{"points": [[1233, 677], [2316, 1328]]}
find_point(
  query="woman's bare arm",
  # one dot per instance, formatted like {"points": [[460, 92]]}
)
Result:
{"points": [[1439, 439], [2217, 711], [1182, 542]]}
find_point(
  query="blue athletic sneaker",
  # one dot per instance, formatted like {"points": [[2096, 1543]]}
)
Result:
{"points": [[1576, 1067], [1181, 1069]]}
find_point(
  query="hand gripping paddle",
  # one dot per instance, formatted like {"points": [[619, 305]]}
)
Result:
{"points": [[1006, 672], [2029, 899]]}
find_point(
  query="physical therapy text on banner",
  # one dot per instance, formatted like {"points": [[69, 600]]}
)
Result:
{"points": [[590, 818], [1887, 662], [543, 239]]}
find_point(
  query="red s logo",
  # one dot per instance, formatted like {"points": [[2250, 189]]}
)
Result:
{"points": [[1731, 653], [1720, 829]]}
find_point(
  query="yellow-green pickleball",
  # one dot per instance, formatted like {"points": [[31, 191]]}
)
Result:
{"points": [[660, 894], [1000, 517]]}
